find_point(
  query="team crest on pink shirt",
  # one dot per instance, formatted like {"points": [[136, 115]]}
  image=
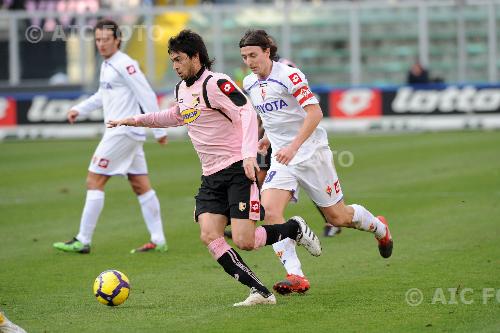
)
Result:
{"points": [[196, 100]]}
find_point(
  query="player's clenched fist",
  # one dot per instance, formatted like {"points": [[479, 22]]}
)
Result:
{"points": [[72, 114]]}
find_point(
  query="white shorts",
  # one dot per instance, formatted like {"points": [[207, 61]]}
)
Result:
{"points": [[119, 155], [316, 175]]}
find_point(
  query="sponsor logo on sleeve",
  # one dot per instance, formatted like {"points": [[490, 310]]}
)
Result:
{"points": [[131, 69], [303, 94], [234, 94], [356, 103], [295, 78], [227, 87]]}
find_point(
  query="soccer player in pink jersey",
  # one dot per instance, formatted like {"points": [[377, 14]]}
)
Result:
{"points": [[291, 114], [222, 126]]}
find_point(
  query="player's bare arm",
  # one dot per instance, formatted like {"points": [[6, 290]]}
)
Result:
{"points": [[313, 117], [121, 122]]}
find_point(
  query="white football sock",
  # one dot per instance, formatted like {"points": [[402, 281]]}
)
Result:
{"points": [[285, 250], [364, 220], [91, 211], [150, 207]]}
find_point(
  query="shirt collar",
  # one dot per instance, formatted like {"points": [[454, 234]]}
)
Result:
{"points": [[192, 80]]}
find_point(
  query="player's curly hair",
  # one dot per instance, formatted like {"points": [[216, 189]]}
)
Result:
{"points": [[191, 43], [107, 24], [262, 39]]}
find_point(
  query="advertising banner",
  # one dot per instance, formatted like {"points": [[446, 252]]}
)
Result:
{"points": [[354, 103]]}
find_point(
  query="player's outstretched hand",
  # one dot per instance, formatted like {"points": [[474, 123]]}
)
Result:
{"points": [[263, 146], [250, 165], [121, 122]]}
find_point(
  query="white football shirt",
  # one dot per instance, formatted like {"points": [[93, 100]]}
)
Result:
{"points": [[280, 100], [123, 92]]}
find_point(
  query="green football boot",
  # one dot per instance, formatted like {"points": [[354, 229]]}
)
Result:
{"points": [[73, 245]]}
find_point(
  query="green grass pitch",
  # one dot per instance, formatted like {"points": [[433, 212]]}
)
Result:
{"points": [[439, 191]]}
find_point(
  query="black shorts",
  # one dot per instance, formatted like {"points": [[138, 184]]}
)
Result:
{"points": [[265, 161], [226, 192]]}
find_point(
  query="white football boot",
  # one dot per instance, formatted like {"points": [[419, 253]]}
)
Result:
{"points": [[6, 326], [256, 298], [306, 237]]}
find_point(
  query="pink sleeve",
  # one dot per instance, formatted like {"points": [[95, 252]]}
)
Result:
{"points": [[228, 98], [250, 127], [170, 117]]}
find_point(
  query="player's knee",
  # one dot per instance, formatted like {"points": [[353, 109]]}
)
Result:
{"points": [[243, 243], [92, 183], [139, 187], [208, 237], [273, 216]]}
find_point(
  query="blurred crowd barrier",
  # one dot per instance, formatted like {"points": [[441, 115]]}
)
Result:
{"points": [[42, 114]]}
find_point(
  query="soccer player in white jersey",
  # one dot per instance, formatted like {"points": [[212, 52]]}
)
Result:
{"points": [[123, 92], [290, 114]]}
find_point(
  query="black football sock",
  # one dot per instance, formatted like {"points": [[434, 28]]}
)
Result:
{"points": [[234, 265], [278, 232]]}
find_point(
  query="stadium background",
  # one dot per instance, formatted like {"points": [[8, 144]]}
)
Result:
{"points": [[356, 55], [440, 190]]}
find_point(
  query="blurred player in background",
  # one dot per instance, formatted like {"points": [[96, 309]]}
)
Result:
{"points": [[290, 114], [222, 126], [123, 92]]}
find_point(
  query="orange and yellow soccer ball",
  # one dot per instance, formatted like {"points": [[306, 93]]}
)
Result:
{"points": [[111, 287]]}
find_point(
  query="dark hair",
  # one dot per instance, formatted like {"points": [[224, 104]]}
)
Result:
{"points": [[262, 39], [191, 43], [107, 24]]}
